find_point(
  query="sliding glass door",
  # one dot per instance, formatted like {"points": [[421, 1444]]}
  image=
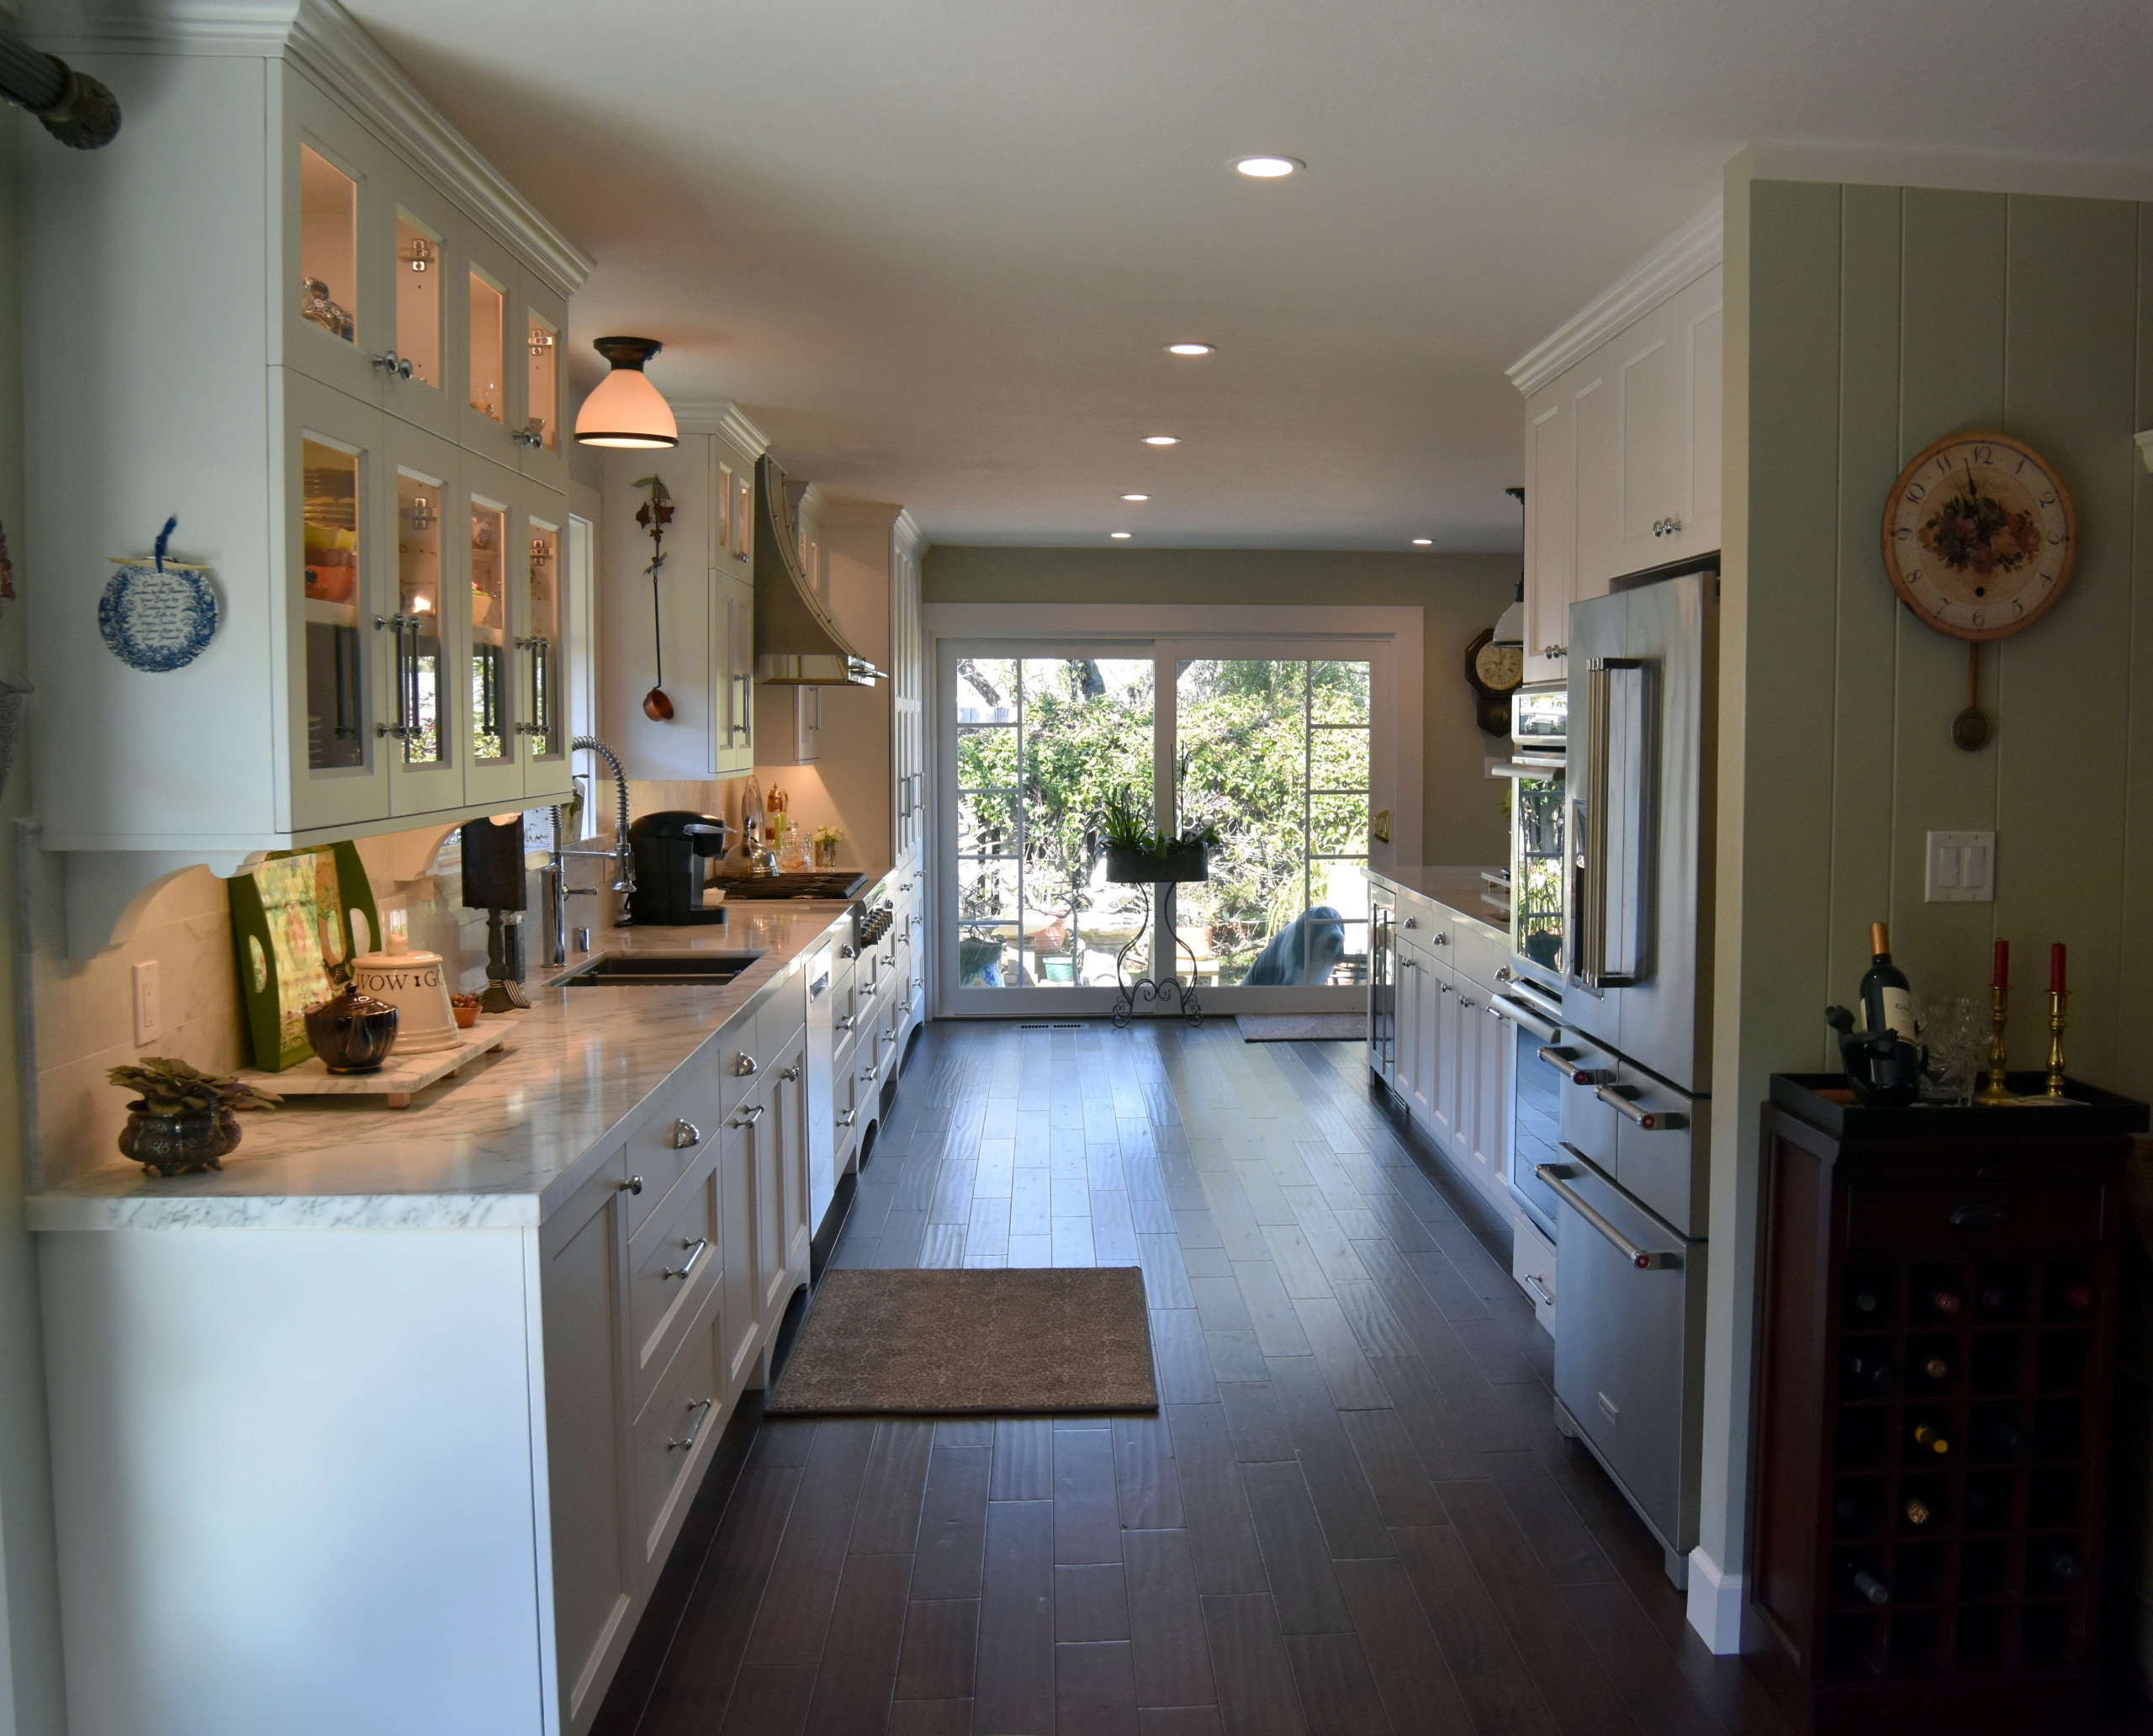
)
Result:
{"points": [[1281, 759]]}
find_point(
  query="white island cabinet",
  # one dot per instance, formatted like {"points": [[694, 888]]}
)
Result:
{"points": [[392, 1428]]}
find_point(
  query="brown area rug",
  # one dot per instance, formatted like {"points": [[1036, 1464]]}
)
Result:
{"points": [[1064, 1340], [1303, 1027]]}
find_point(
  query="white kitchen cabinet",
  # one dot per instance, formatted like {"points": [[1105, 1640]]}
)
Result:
{"points": [[1550, 534], [318, 372]]}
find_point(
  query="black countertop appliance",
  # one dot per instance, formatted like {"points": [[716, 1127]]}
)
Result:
{"points": [[673, 854]]}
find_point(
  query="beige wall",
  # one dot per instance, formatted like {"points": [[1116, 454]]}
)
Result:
{"points": [[1460, 808], [1866, 322]]}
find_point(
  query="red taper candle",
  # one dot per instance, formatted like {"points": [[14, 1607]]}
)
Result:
{"points": [[2001, 978], [2055, 968]]}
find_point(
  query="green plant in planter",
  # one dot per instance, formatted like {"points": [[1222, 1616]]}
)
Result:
{"points": [[182, 1118], [1123, 824]]}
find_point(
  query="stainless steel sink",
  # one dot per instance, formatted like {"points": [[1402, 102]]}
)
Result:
{"points": [[660, 970]]}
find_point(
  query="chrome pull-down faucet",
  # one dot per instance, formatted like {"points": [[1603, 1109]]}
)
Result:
{"points": [[622, 858]]}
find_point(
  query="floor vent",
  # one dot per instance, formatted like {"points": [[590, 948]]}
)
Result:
{"points": [[1059, 1025]]}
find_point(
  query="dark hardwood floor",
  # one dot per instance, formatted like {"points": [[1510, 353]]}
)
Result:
{"points": [[1353, 1514]]}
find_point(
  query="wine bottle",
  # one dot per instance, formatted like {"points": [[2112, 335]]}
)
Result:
{"points": [[1937, 1368], [2079, 1295], [1994, 1298], [1869, 1585], [1946, 1302], [1847, 1511], [1887, 1001], [1864, 1302], [2059, 1564], [1917, 1510], [1930, 1439], [1870, 1372]]}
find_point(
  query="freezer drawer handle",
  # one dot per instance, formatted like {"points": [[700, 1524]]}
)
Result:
{"points": [[1978, 1216], [1502, 1007], [1547, 1295], [1644, 1259], [1651, 1120], [1564, 1062]]}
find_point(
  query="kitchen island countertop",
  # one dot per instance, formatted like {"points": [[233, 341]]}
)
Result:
{"points": [[1457, 889], [503, 1143]]}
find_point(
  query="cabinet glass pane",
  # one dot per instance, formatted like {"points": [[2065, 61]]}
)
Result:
{"points": [[329, 245], [742, 508], [544, 645], [544, 345], [725, 507], [419, 668], [489, 324], [330, 503], [418, 299], [489, 694]]}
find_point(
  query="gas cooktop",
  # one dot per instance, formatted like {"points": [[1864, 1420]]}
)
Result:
{"points": [[842, 883]]}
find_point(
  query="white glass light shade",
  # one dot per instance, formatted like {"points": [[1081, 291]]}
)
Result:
{"points": [[627, 410]]}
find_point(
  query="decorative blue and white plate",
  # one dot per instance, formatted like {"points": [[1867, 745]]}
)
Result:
{"points": [[157, 619]]}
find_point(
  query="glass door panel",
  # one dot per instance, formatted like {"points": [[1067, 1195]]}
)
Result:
{"points": [[545, 662], [421, 671], [1274, 755], [542, 351], [489, 687], [418, 299], [488, 306], [540, 329], [329, 246], [335, 719], [425, 640]]}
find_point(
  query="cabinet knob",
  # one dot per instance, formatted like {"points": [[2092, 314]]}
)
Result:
{"points": [[1554, 651], [743, 1066], [1467, 1001], [1444, 986], [389, 361], [1412, 922], [790, 1075], [1438, 939], [633, 1185], [686, 1135]]}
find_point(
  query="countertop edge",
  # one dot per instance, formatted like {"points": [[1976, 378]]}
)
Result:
{"points": [[1464, 889]]}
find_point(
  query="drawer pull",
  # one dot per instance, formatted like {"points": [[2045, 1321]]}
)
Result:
{"points": [[743, 1065], [701, 1414], [1651, 1120], [1981, 1215], [686, 1135], [847, 950], [696, 1250], [790, 1075], [847, 1119], [1547, 1295], [868, 1074], [1644, 1259], [750, 1115], [633, 1185], [845, 1023]]}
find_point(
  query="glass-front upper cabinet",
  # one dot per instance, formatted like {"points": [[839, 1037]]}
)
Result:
{"points": [[493, 764], [334, 326], [544, 329], [333, 456], [489, 308], [418, 368], [544, 646], [424, 632]]}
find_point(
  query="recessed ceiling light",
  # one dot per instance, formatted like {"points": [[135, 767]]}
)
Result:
{"points": [[1162, 439], [1423, 542], [1268, 168], [1119, 536], [1190, 349]]}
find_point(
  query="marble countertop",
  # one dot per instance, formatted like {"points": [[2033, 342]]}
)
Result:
{"points": [[1457, 889], [514, 1135]]}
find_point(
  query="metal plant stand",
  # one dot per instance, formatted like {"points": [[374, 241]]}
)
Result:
{"points": [[1184, 993]]}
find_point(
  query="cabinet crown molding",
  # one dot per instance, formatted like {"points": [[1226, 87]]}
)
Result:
{"points": [[720, 416], [1684, 257], [325, 41]]}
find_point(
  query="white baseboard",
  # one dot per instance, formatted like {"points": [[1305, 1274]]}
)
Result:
{"points": [[1715, 1604]]}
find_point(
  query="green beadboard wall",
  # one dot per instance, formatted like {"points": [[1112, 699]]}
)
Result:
{"points": [[1877, 319], [1461, 810]]}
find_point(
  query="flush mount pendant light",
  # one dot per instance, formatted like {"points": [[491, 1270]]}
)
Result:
{"points": [[1268, 167], [627, 410]]}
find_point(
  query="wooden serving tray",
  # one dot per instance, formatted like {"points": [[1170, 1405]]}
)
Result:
{"points": [[397, 1078]]}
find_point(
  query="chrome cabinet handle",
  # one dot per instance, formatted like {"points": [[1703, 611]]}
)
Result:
{"points": [[688, 1445], [1667, 527], [1547, 1295], [1554, 650], [685, 1135], [845, 1023], [847, 1119], [868, 1073], [1438, 939], [1644, 1259], [750, 1115], [1635, 1113], [1503, 1007], [790, 1075], [889, 961], [743, 1065], [1407, 964], [696, 1250], [1977, 1216], [1444, 986], [847, 950], [1467, 1003], [633, 1185], [389, 361], [1412, 922]]}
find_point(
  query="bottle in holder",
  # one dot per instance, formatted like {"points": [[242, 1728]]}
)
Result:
{"points": [[1946, 1302], [1848, 1512], [1887, 1001], [1866, 1304], [1917, 1511], [2078, 1295], [1937, 1368], [2059, 1564], [1978, 1505], [1930, 1439], [1867, 1584], [2004, 1436], [1994, 1298], [1870, 1373]]}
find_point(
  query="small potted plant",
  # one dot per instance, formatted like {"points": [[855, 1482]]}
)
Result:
{"points": [[182, 1119], [1188, 857], [826, 846], [1139, 855]]}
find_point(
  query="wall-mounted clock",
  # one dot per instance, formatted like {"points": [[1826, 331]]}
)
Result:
{"points": [[1494, 669], [1980, 535]]}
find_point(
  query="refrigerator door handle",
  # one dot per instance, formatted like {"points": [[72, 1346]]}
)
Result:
{"points": [[1593, 918], [1637, 1114], [1557, 1176]]}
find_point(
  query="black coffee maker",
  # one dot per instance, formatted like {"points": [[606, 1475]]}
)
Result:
{"points": [[673, 854]]}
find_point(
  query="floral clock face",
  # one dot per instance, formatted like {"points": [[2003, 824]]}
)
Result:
{"points": [[1979, 535]]}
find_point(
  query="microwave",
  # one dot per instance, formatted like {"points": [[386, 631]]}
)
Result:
{"points": [[1539, 719]]}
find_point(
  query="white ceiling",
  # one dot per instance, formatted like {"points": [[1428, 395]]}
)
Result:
{"points": [[934, 248]]}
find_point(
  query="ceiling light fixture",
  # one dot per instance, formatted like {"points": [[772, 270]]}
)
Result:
{"points": [[1135, 497], [626, 410], [1190, 349], [1119, 536], [1268, 168], [1423, 542], [1162, 439]]}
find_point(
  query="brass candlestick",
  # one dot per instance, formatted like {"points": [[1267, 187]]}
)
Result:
{"points": [[1994, 1089], [2056, 998]]}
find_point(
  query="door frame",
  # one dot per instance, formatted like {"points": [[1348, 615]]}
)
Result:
{"points": [[1388, 637]]}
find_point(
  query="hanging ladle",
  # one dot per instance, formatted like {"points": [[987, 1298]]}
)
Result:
{"points": [[656, 706], [1970, 729]]}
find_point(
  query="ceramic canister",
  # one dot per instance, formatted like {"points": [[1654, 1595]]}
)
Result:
{"points": [[412, 983]]}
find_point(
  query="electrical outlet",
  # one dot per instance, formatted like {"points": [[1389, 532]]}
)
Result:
{"points": [[149, 1012], [1961, 868]]}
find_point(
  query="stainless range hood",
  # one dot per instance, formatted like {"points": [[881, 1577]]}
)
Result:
{"points": [[797, 643]]}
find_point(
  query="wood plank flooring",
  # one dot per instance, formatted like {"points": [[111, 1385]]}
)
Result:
{"points": [[1353, 1514]]}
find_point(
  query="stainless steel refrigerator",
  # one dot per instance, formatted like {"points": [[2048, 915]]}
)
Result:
{"points": [[1634, 1171]]}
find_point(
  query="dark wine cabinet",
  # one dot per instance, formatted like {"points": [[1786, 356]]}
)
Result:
{"points": [[1935, 1340]]}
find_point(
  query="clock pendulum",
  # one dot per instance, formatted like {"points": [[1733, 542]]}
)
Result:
{"points": [[1970, 728]]}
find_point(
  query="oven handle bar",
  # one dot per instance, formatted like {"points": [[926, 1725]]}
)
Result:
{"points": [[1502, 1007], [1556, 1175]]}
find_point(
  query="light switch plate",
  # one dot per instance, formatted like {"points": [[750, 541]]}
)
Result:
{"points": [[148, 1015], [1961, 868]]}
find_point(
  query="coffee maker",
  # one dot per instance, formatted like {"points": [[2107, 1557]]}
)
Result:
{"points": [[673, 852]]}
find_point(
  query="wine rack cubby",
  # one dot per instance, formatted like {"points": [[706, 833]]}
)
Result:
{"points": [[1935, 1342]]}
